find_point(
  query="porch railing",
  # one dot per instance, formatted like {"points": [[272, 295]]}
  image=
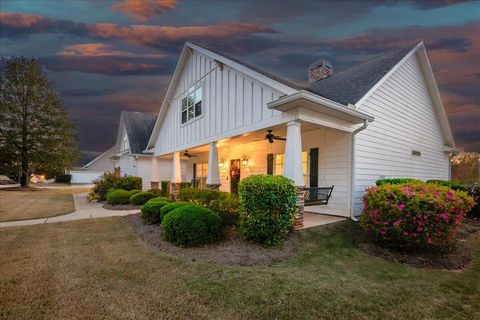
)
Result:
{"points": [[317, 195]]}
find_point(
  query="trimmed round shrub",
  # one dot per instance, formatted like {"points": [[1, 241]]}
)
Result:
{"points": [[132, 192], [131, 183], [413, 215], [227, 208], [395, 181], [157, 192], [267, 208], [191, 226], [172, 206], [150, 211], [119, 196], [161, 199], [141, 197]]}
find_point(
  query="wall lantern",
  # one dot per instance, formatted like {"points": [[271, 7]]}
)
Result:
{"points": [[245, 160], [221, 164]]}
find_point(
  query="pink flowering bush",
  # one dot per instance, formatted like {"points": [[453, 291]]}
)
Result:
{"points": [[414, 214]]}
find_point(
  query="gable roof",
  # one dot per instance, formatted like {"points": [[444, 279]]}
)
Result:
{"points": [[139, 127], [350, 85]]}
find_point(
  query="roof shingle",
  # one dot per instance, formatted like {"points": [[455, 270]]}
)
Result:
{"points": [[139, 127]]}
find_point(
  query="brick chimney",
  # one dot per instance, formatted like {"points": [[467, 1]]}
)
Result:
{"points": [[319, 70]]}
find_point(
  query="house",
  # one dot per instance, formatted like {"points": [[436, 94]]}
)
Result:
{"points": [[128, 154], [223, 119], [92, 170]]}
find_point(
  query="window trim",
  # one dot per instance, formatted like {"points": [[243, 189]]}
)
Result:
{"points": [[193, 89]]}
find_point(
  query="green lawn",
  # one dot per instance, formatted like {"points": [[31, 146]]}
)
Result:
{"points": [[34, 204], [94, 269]]}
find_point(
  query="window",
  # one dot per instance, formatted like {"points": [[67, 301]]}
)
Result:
{"points": [[416, 153], [192, 105], [125, 145], [280, 160], [202, 172]]}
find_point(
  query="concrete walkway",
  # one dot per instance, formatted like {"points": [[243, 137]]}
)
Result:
{"points": [[83, 210]]}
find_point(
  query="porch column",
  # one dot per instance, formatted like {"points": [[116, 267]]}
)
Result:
{"points": [[176, 176], [154, 183], [213, 174], [292, 167]]}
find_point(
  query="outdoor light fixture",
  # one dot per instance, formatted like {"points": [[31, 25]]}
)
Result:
{"points": [[221, 164], [245, 160]]}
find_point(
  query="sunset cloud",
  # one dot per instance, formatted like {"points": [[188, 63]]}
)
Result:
{"points": [[102, 50], [144, 9], [166, 38]]}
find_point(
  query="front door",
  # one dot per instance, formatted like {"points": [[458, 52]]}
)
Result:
{"points": [[234, 175]]}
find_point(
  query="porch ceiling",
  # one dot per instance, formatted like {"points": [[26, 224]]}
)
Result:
{"points": [[254, 136]]}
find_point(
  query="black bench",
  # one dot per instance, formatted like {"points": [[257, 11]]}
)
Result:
{"points": [[317, 195]]}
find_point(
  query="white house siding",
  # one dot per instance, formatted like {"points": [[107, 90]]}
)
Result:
{"points": [[404, 120], [102, 163], [144, 171], [231, 103], [334, 164], [128, 165]]}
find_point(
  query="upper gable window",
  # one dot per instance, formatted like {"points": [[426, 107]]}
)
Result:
{"points": [[125, 144], [192, 105]]}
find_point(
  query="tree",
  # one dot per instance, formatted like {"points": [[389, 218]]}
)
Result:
{"points": [[35, 133], [466, 167]]}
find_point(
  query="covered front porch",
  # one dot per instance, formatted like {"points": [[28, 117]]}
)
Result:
{"points": [[315, 157]]}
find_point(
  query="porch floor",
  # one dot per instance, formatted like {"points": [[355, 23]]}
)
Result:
{"points": [[317, 219]]}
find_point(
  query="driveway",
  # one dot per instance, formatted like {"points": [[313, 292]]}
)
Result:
{"points": [[83, 210]]}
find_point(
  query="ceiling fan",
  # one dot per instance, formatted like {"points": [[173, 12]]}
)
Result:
{"points": [[270, 137], [188, 155]]}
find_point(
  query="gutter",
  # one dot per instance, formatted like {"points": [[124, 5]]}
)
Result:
{"points": [[352, 170]]}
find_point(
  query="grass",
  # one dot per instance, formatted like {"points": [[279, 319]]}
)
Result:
{"points": [[100, 269], [34, 204]]}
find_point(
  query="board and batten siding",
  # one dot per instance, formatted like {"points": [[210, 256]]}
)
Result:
{"points": [[231, 101], [405, 120], [144, 171]]}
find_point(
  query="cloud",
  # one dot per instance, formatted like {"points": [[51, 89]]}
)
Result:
{"points": [[434, 4], [102, 50], [144, 9], [109, 65], [166, 38]]}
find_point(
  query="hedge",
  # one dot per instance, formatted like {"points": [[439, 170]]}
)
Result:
{"points": [[395, 181], [140, 198], [451, 184], [191, 226], [413, 215], [172, 206], [120, 196], [267, 207], [110, 181], [150, 211], [63, 178]]}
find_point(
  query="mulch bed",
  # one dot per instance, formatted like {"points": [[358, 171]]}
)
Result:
{"points": [[454, 257], [120, 207], [232, 251]]}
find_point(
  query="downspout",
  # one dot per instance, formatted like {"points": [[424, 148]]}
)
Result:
{"points": [[352, 169]]}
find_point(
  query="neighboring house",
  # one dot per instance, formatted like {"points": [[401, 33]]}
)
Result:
{"points": [[92, 170], [134, 131], [383, 118]]}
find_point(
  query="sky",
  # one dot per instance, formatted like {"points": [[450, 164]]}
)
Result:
{"points": [[105, 56]]}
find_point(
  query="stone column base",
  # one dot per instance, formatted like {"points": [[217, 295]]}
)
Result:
{"points": [[213, 186], [175, 190], [116, 171], [154, 184], [300, 208]]}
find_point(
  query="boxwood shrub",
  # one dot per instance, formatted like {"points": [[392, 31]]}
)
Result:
{"points": [[191, 226], [110, 181], [172, 206], [267, 207], [413, 215], [161, 199], [119, 196], [155, 191], [395, 181], [455, 185], [165, 191], [150, 211], [140, 198]]}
